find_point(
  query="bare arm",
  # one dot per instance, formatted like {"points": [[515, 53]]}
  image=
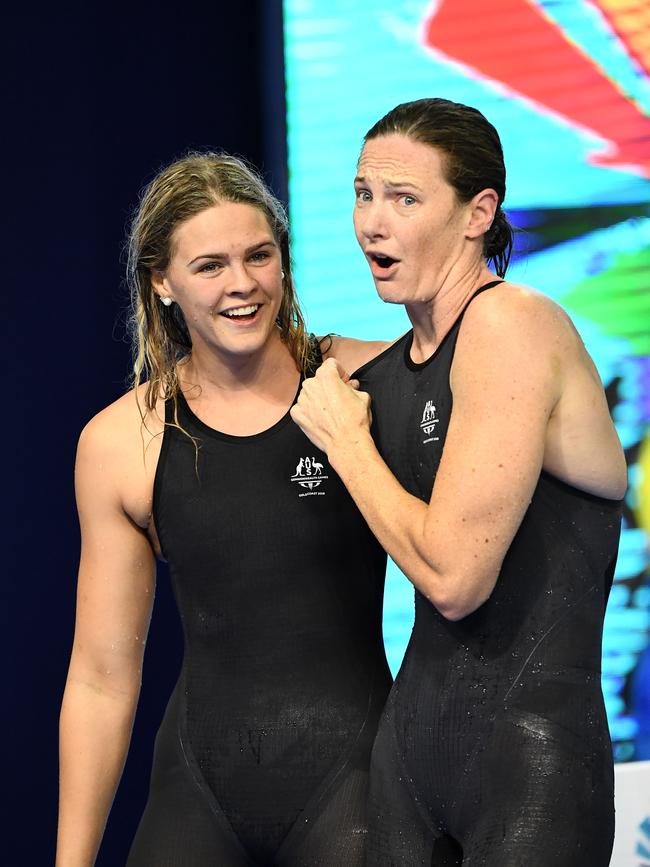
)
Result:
{"points": [[114, 599], [504, 393]]}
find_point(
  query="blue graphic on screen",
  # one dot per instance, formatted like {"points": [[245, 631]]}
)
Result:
{"points": [[567, 85]]}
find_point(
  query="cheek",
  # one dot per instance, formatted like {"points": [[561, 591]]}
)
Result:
{"points": [[357, 221], [272, 282]]}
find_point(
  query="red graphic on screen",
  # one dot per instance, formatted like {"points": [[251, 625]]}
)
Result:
{"points": [[515, 43]]}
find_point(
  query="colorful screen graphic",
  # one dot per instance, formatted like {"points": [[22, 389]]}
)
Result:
{"points": [[567, 84]]}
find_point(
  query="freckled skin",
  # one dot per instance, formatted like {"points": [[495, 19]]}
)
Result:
{"points": [[518, 360], [482, 547], [407, 210]]}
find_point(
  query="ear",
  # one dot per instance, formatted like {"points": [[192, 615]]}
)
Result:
{"points": [[483, 207], [160, 284]]}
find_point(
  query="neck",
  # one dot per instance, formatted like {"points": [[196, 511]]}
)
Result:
{"points": [[222, 375], [432, 319]]}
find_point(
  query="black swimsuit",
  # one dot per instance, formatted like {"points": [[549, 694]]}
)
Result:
{"points": [[263, 755], [494, 748]]}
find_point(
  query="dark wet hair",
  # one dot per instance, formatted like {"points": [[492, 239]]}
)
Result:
{"points": [[473, 158]]}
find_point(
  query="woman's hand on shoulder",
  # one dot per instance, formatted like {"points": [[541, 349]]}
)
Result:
{"points": [[350, 353]]}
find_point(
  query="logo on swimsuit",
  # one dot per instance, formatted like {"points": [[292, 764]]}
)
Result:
{"points": [[309, 475], [429, 422]]}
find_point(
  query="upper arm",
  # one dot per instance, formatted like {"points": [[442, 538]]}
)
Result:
{"points": [[117, 566], [505, 383], [350, 353]]}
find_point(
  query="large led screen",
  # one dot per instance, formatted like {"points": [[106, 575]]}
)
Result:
{"points": [[567, 86]]}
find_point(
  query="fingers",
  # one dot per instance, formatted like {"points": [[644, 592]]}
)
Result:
{"points": [[331, 368], [298, 415]]}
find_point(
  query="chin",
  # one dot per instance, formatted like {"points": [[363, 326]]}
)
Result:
{"points": [[390, 294]]}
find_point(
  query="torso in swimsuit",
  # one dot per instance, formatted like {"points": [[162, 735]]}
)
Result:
{"points": [[263, 755], [494, 747]]}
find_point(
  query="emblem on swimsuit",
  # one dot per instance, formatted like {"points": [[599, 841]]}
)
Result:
{"points": [[309, 475], [429, 422]]}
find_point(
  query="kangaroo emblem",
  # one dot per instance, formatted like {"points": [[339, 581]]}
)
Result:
{"points": [[309, 475]]}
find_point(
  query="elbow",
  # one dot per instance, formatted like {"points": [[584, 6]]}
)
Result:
{"points": [[107, 674], [461, 595], [455, 610]]}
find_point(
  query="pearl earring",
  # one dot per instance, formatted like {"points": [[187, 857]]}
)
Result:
{"points": [[166, 301], [283, 274]]}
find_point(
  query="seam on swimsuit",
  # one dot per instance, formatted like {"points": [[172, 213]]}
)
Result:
{"points": [[199, 781], [424, 816], [300, 826], [545, 636]]}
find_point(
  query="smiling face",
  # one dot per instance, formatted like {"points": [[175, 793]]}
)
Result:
{"points": [[225, 274], [408, 220]]}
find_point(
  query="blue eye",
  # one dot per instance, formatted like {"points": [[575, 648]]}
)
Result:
{"points": [[408, 200]]}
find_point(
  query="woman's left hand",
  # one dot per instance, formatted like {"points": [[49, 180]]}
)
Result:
{"points": [[331, 411]]}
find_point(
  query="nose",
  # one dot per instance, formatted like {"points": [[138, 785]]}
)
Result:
{"points": [[242, 280], [371, 221]]}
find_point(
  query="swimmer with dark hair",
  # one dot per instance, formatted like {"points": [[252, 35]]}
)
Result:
{"points": [[494, 478]]}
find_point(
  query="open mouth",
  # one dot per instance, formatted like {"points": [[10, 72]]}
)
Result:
{"points": [[241, 314], [381, 265]]}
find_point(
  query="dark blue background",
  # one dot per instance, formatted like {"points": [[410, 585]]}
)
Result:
{"points": [[99, 97]]}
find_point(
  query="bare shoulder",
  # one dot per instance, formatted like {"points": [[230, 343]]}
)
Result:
{"points": [[113, 429], [118, 454], [518, 317], [515, 344], [351, 353]]}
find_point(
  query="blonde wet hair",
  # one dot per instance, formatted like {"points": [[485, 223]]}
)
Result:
{"points": [[184, 188]]}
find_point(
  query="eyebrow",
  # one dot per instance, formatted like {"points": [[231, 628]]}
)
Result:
{"points": [[247, 251], [391, 185]]}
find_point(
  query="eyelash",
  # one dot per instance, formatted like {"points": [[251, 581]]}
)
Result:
{"points": [[361, 193], [211, 267]]}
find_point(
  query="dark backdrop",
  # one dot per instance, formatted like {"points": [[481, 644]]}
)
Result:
{"points": [[99, 97]]}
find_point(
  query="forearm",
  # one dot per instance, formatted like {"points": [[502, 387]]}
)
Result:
{"points": [[95, 731]]}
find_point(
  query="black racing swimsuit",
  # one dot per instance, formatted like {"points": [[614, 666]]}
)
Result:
{"points": [[263, 754], [494, 747]]}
